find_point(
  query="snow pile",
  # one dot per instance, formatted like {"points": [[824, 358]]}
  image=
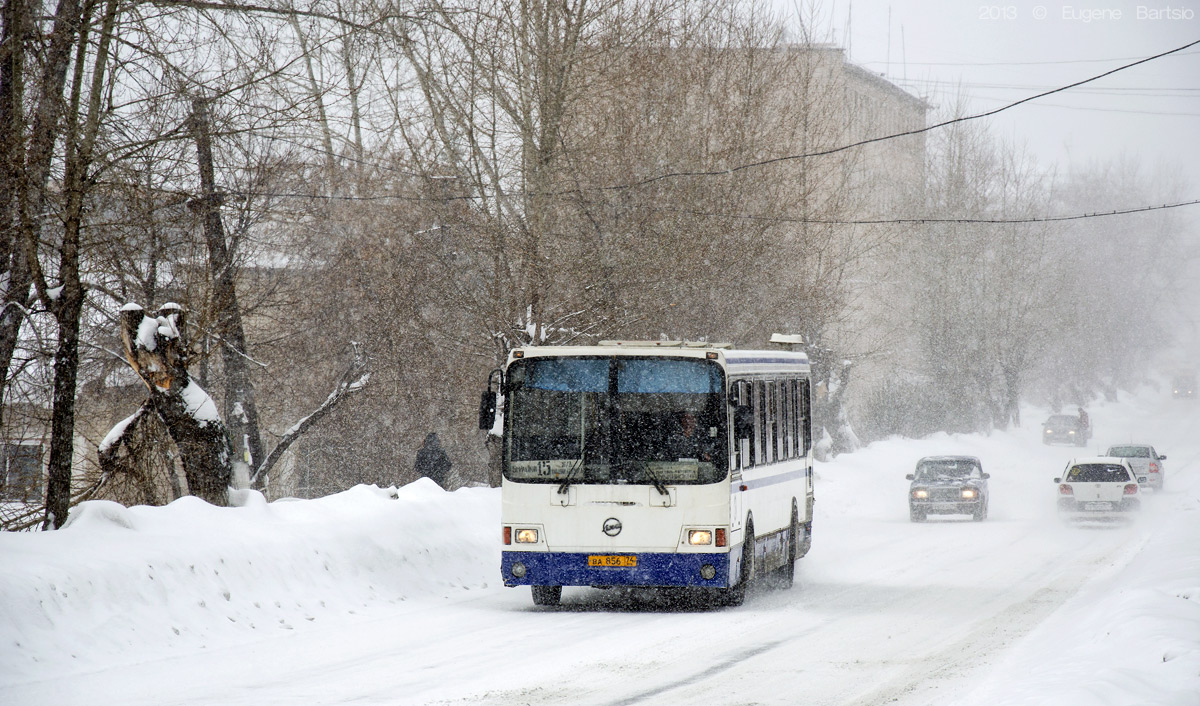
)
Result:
{"points": [[142, 580]]}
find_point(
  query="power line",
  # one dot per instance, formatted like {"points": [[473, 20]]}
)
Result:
{"points": [[823, 153], [834, 150], [1094, 109], [916, 220], [1018, 63], [924, 220], [907, 133]]}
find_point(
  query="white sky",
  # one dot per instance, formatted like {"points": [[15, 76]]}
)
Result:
{"points": [[1001, 52], [933, 47]]}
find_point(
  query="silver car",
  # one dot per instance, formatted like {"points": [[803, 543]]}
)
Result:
{"points": [[1144, 460]]}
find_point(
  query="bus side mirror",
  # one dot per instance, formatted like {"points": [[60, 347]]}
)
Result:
{"points": [[487, 410], [487, 401], [743, 422]]}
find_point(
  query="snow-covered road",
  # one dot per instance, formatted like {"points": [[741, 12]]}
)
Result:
{"points": [[367, 599]]}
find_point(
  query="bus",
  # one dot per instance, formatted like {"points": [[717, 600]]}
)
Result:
{"points": [[657, 464]]}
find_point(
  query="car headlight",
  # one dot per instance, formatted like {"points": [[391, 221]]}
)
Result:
{"points": [[1047, 431], [699, 537], [527, 536], [1071, 432], [969, 493], [920, 493]]}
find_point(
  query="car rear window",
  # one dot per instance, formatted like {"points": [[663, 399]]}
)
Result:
{"points": [[1098, 473], [1129, 452]]}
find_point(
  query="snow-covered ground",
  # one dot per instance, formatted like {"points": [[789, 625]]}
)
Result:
{"points": [[393, 596]]}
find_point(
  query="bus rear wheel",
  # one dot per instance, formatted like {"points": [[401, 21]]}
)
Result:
{"points": [[785, 575], [546, 595]]}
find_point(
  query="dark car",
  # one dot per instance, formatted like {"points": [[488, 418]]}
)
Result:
{"points": [[948, 485], [1065, 429]]}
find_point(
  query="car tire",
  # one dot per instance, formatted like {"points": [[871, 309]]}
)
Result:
{"points": [[546, 595], [980, 513], [916, 515]]}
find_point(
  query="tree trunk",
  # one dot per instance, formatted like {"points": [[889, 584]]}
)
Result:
{"points": [[204, 445], [186, 410], [27, 153], [62, 426], [67, 304], [241, 412]]}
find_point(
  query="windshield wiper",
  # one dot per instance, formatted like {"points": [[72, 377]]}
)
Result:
{"points": [[658, 484], [566, 482]]}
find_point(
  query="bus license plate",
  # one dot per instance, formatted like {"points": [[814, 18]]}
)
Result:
{"points": [[610, 561]]}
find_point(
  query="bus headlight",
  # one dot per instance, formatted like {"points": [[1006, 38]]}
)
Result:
{"points": [[699, 537], [526, 536], [518, 570]]}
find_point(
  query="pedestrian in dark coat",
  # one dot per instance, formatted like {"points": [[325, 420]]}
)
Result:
{"points": [[432, 461]]}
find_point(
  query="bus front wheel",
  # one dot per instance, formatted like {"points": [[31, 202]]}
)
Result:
{"points": [[546, 595], [736, 595]]}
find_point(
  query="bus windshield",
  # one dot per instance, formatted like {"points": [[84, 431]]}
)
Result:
{"points": [[618, 419]]}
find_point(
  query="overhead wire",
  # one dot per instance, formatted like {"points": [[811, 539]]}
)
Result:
{"points": [[917, 220], [1017, 63], [578, 190], [906, 133]]}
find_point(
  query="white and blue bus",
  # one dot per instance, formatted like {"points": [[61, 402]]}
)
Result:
{"points": [[667, 464]]}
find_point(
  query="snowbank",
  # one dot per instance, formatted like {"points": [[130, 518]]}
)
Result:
{"points": [[144, 579]]}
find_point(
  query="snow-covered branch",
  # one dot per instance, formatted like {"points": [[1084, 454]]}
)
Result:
{"points": [[352, 380]]}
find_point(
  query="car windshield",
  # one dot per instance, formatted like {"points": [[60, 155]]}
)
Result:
{"points": [[1129, 452], [1062, 421], [947, 469], [618, 419], [1098, 473]]}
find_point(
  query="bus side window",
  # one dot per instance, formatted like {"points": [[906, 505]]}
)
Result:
{"points": [[805, 417], [769, 437], [760, 425], [781, 423], [789, 415], [740, 404], [798, 421]]}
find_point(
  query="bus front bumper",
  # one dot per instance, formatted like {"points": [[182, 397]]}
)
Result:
{"points": [[650, 569]]}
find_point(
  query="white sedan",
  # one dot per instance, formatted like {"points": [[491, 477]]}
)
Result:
{"points": [[1100, 487]]}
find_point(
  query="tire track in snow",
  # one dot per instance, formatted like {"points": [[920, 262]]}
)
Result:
{"points": [[925, 681], [710, 671]]}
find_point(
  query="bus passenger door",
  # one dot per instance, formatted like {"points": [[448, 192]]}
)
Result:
{"points": [[737, 507]]}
